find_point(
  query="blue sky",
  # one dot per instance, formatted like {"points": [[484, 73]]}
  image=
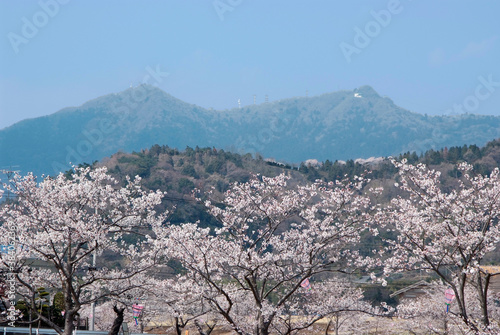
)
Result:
{"points": [[428, 56]]}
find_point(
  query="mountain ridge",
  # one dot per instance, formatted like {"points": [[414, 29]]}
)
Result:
{"points": [[340, 125]]}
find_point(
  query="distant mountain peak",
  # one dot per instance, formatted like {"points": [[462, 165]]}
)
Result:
{"points": [[146, 88], [339, 125], [367, 92], [140, 92]]}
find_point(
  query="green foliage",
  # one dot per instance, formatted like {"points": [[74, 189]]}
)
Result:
{"points": [[22, 306], [215, 166], [56, 309], [192, 213], [69, 173], [52, 312], [222, 186], [142, 163], [189, 170], [58, 301], [155, 184], [185, 185], [42, 298]]}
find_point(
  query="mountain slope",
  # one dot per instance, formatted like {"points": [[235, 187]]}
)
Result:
{"points": [[338, 125], [126, 121]]}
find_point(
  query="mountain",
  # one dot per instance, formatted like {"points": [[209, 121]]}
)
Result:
{"points": [[339, 125]]}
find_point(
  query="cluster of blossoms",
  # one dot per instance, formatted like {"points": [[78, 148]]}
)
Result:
{"points": [[447, 233], [63, 221], [280, 250]]}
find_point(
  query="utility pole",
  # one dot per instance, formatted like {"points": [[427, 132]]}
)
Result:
{"points": [[92, 305]]}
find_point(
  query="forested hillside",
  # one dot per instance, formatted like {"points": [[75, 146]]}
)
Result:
{"points": [[179, 173]]}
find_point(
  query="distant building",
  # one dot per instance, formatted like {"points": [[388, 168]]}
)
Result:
{"points": [[313, 163]]}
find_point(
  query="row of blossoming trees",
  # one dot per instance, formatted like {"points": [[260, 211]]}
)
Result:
{"points": [[270, 266]]}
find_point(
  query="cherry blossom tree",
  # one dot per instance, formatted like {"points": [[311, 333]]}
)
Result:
{"points": [[333, 298], [178, 301], [447, 233], [139, 294], [62, 222], [428, 313], [184, 302], [104, 315], [272, 238]]}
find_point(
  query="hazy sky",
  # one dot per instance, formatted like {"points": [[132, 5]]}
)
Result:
{"points": [[428, 56]]}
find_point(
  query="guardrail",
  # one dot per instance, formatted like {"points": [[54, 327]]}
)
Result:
{"points": [[46, 331]]}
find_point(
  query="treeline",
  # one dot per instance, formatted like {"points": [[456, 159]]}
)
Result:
{"points": [[484, 160], [180, 172], [160, 164]]}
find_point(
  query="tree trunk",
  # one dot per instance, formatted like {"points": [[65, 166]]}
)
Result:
{"points": [[69, 316], [115, 329], [178, 328], [483, 297], [201, 330], [31, 312], [262, 326], [70, 312], [460, 298], [328, 326], [337, 323]]}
